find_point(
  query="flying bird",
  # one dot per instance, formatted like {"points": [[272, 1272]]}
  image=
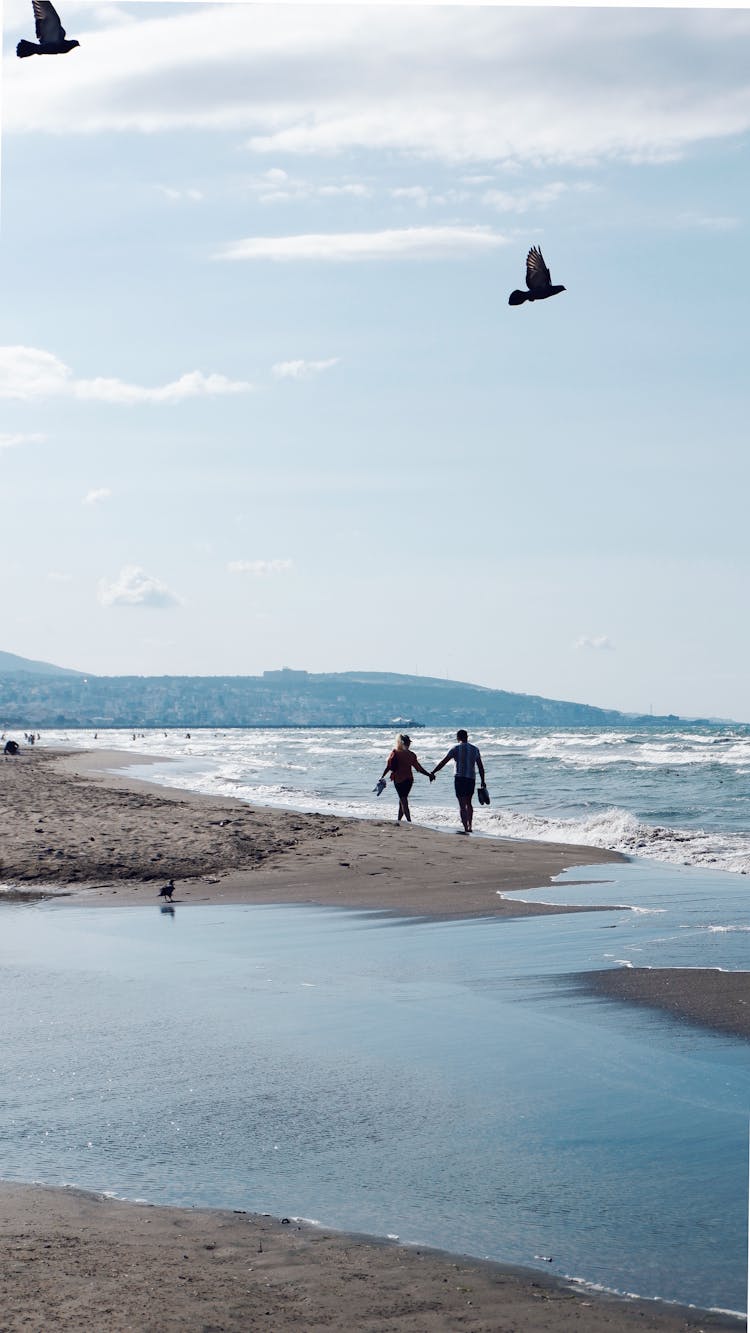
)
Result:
{"points": [[50, 32], [538, 280]]}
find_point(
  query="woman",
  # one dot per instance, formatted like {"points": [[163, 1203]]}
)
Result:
{"points": [[400, 763]]}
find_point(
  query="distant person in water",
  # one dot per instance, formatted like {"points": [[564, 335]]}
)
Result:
{"points": [[400, 764], [467, 760]]}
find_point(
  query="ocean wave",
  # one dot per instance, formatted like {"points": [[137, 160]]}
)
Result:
{"points": [[720, 930], [620, 831], [633, 750]]}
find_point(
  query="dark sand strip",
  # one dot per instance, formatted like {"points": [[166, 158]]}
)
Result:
{"points": [[71, 1261], [712, 999]]}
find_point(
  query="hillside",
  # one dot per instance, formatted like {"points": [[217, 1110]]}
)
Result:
{"points": [[280, 699], [11, 664]]}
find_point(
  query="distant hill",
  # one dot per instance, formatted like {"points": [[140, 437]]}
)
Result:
{"points": [[10, 663], [37, 695]]}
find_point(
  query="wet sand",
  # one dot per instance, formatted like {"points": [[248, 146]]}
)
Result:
{"points": [[70, 1261], [712, 999]]}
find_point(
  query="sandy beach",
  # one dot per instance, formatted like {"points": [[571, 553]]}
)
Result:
{"points": [[71, 1260]]}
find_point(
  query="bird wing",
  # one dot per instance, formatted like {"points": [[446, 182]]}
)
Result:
{"points": [[48, 25], [537, 273]]}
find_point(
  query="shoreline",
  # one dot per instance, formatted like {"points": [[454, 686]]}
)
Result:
{"points": [[55, 804], [102, 837], [69, 1256]]}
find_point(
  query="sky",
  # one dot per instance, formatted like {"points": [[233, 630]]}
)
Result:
{"points": [[263, 401]]}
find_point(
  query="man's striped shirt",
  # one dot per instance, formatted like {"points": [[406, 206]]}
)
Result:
{"points": [[466, 757]]}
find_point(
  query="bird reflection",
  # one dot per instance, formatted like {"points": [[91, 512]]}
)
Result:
{"points": [[167, 911]]}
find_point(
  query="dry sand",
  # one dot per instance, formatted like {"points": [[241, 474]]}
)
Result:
{"points": [[75, 1261], [71, 1261]]}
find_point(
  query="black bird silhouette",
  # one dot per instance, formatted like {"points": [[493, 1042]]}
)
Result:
{"points": [[50, 32], [537, 280], [167, 891]]}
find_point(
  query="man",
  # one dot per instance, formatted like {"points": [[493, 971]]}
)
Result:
{"points": [[467, 759]]}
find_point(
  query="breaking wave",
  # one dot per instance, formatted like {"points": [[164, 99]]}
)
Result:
{"points": [[619, 831]]}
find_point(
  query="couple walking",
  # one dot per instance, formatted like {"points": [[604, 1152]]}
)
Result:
{"points": [[402, 761]]}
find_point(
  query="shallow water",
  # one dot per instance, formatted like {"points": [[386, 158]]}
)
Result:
{"points": [[437, 1081]]}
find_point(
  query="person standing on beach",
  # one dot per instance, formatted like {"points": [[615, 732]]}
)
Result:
{"points": [[401, 762], [467, 760]]}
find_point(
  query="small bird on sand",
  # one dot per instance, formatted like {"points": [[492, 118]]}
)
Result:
{"points": [[167, 891], [50, 32], [538, 280]]}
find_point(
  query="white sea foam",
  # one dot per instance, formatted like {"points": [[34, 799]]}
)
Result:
{"points": [[582, 1285], [719, 930], [620, 831]]}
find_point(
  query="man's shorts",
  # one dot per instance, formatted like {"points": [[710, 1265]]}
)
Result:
{"points": [[464, 788]]}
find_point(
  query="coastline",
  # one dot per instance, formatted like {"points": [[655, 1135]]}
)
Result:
{"points": [[72, 1259], [239, 1267], [104, 838]]}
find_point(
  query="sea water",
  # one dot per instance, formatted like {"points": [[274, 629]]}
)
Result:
{"points": [[443, 1082]]}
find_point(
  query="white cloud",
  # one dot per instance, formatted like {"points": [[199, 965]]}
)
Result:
{"points": [[708, 223], [494, 84], [10, 441], [194, 384], [417, 194], [30, 372], [177, 195], [597, 643], [352, 189], [96, 496], [134, 587], [520, 201], [406, 243], [302, 370], [55, 576], [259, 568], [277, 186]]}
